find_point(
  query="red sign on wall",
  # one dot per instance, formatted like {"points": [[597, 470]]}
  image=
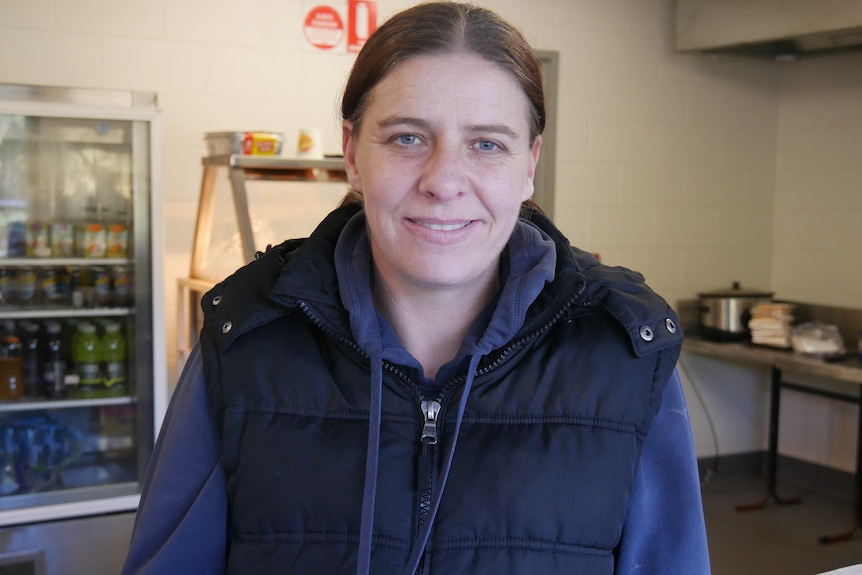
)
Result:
{"points": [[362, 22], [323, 28]]}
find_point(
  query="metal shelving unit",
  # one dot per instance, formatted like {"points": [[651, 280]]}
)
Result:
{"points": [[239, 170]]}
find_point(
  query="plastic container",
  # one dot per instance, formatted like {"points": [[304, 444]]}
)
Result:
{"points": [[254, 143]]}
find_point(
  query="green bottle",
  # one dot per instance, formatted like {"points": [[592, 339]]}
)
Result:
{"points": [[85, 354], [113, 354]]}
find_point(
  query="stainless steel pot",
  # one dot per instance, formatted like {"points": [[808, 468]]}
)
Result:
{"points": [[724, 313]]}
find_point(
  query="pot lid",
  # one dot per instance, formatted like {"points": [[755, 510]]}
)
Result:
{"points": [[735, 290]]}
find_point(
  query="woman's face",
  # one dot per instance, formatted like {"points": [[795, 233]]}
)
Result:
{"points": [[443, 159]]}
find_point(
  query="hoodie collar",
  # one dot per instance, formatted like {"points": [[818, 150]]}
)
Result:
{"points": [[528, 263]]}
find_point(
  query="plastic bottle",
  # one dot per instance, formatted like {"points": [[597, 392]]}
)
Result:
{"points": [[54, 374], [123, 281], [85, 354], [76, 290], [7, 287], [31, 367], [11, 374], [113, 352]]}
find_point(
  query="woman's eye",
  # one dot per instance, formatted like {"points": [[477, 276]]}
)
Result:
{"points": [[407, 139]]}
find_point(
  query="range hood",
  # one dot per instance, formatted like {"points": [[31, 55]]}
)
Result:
{"points": [[775, 29]]}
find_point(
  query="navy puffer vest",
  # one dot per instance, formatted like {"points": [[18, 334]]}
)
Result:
{"points": [[547, 451]]}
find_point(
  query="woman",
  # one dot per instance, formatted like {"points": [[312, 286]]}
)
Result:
{"points": [[435, 381]]}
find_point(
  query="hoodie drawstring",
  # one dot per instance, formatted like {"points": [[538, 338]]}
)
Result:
{"points": [[369, 495], [422, 538]]}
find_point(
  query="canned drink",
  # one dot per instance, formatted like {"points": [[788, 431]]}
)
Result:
{"points": [[17, 239], [38, 240], [95, 240], [118, 241], [62, 240]]}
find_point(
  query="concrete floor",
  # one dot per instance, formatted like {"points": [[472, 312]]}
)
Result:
{"points": [[780, 540]]}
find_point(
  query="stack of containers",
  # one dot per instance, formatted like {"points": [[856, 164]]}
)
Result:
{"points": [[770, 324]]}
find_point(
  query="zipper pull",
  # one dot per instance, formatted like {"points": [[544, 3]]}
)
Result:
{"points": [[430, 409]]}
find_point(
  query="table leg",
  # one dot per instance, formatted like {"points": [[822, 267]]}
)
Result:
{"points": [[857, 494], [772, 452]]}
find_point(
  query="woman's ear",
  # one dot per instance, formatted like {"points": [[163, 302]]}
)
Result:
{"points": [[348, 148], [535, 152]]}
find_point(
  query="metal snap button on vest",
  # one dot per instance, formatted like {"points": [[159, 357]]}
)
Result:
{"points": [[646, 333], [670, 325], [226, 327], [216, 300]]}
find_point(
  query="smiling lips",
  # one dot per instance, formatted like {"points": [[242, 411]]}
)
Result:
{"points": [[442, 227]]}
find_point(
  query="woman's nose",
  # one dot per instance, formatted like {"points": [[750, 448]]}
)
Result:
{"points": [[444, 173]]}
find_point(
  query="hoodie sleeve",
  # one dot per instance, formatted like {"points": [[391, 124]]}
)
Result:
{"points": [[665, 530], [181, 524]]}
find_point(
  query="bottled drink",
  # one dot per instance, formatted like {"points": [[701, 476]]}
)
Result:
{"points": [[64, 287], [89, 380], [85, 354], [54, 374], [47, 290], [122, 280], [7, 287], [25, 286], [102, 293], [113, 352], [76, 290], [11, 376], [31, 367]]}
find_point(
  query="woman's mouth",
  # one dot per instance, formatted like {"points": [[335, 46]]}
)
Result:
{"points": [[442, 227]]}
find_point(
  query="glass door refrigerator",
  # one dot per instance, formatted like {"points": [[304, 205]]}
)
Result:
{"points": [[82, 358]]}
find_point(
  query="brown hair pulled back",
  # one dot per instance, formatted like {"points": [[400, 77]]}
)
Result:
{"points": [[445, 28]]}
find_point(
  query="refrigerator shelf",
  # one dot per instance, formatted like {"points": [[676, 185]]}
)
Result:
{"points": [[50, 313], [43, 404], [58, 262]]}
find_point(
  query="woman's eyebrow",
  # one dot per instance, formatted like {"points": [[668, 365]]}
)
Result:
{"points": [[402, 121], [501, 129]]}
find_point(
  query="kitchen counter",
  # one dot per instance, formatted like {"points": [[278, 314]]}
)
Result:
{"points": [[847, 369]]}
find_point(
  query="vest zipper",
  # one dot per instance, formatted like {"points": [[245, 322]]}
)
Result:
{"points": [[430, 411], [426, 472]]}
